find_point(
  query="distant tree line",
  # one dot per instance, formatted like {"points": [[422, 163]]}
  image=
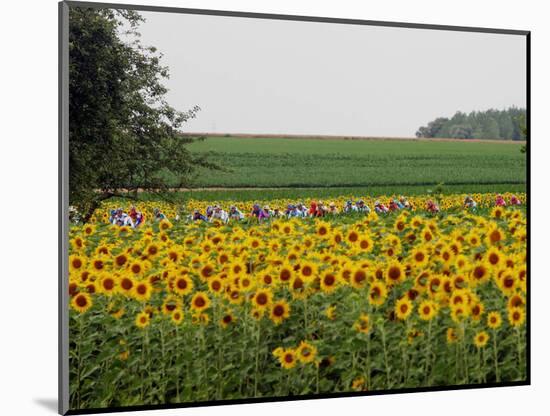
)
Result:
{"points": [[491, 124]]}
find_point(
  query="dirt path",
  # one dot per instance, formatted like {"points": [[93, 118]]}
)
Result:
{"points": [[329, 137]]}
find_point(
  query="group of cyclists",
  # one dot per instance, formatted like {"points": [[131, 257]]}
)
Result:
{"points": [[134, 218]]}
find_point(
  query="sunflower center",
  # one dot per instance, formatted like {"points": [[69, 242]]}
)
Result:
{"points": [[261, 299], [278, 310], [81, 301], [394, 273]]}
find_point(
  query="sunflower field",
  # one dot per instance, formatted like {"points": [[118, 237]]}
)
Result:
{"points": [[178, 311]]}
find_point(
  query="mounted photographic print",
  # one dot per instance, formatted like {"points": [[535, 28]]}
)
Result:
{"points": [[264, 207]]}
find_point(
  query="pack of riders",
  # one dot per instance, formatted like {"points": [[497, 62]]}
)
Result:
{"points": [[135, 218]]}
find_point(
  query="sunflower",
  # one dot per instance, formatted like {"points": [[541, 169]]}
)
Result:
{"points": [[215, 285], [152, 250], [142, 320], [234, 296], [476, 311], [358, 278], [330, 312], [227, 319], [183, 285], [142, 291], [363, 324], [170, 304], [516, 316], [473, 239], [352, 236], [329, 281], [494, 235], [262, 299], [245, 283], [76, 263], [308, 270], [494, 257], [494, 320], [479, 273], [427, 235], [257, 314], [177, 316], [400, 224], [346, 272], [516, 301], [107, 285], [419, 257], [200, 302], [395, 273], [459, 312], [377, 293], [121, 260], [164, 224], [358, 383], [446, 254], [288, 359], [481, 339], [237, 268], [422, 281], [403, 308], [89, 229], [81, 302], [207, 271], [285, 273], [137, 267], [99, 264], [427, 310], [365, 244], [336, 238], [78, 243], [280, 311], [322, 229], [452, 335], [306, 352], [200, 319], [173, 255], [497, 212], [459, 297], [507, 282], [277, 352]]}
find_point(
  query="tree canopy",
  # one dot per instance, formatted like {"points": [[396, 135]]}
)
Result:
{"points": [[123, 135], [490, 124]]}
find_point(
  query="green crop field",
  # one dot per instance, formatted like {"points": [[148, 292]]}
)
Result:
{"points": [[309, 163]]}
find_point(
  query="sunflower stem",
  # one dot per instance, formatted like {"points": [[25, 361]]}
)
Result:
{"points": [[79, 361], [518, 337], [317, 378], [257, 358], [386, 361], [495, 355], [427, 367], [177, 366]]}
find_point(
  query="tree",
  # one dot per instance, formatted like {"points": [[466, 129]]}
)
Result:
{"points": [[123, 135], [433, 128], [490, 124], [461, 131]]}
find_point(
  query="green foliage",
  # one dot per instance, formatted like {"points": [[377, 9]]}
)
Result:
{"points": [[122, 132], [275, 162], [490, 124]]}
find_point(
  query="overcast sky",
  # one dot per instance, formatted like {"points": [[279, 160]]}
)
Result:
{"points": [[273, 76]]}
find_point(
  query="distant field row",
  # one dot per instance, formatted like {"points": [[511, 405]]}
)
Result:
{"points": [[327, 193], [272, 162]]}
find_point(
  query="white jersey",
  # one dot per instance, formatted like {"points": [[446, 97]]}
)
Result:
{"points": [[220, 215]]}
